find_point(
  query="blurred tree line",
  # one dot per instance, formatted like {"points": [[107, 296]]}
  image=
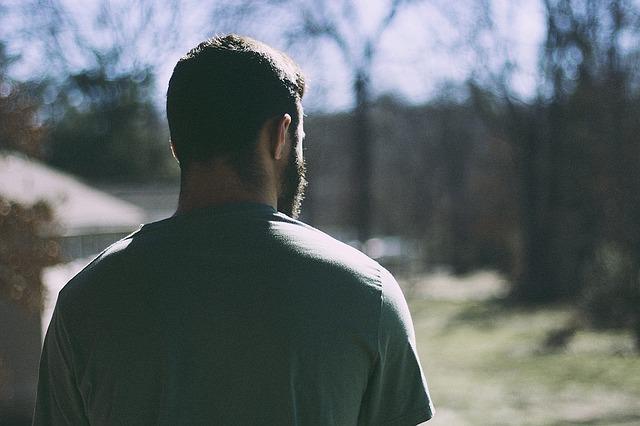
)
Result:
{"points": [[545, 189], [576, 153], [96, 124], [439, 177], [106, 127]]}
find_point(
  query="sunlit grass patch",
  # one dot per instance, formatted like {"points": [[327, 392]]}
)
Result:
{"points": [[488, 365]]}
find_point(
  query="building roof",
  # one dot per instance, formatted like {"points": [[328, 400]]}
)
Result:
{"points": [[79, 209], [159, 200]]}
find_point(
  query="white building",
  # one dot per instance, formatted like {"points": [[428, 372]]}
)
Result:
{"points": [[87, 220]]}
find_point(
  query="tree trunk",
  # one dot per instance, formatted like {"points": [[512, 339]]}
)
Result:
{"points": [[363, 202], [535, 281]]}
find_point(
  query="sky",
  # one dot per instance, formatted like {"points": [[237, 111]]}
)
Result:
{"points": [[427, 45], [420, 52]]}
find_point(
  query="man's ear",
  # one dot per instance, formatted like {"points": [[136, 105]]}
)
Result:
{"points": [[173, 150], [280, 136]]}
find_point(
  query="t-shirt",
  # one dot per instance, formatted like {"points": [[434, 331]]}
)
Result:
{"points": [[231, 315]]}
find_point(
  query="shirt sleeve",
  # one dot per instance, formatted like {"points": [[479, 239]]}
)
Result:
{"points": [[397, 392], [58, 400]]}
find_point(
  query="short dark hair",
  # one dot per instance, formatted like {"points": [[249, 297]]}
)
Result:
{"points": [[222, 92]]}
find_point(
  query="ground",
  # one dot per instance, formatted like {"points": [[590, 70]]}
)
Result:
{"points": [[488, 365]]}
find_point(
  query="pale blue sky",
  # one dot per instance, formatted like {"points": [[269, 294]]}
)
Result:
{"points": [[423, 48]]}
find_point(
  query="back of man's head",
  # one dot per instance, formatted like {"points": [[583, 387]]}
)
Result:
{"points": [[220, 95]]}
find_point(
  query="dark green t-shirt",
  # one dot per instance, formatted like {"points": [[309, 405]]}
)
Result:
{"points": [[235, 315]]}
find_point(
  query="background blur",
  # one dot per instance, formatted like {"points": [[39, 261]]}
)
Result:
{"points": [[485, 151]]}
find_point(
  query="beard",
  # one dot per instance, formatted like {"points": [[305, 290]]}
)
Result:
{"points": [[292, 186]]}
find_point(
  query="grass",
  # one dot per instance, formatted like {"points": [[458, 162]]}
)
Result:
{"points": [[487, 365]]}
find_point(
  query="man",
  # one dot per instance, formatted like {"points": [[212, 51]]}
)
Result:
{"points": [[232, 312]]}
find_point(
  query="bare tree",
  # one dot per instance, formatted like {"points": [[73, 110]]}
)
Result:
{"points": [[117, 35]]}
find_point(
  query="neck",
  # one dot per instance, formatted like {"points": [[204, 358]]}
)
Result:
{"points": [[205, 185]]}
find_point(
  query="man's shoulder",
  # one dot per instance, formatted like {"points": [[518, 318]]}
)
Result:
{"points": [[290, 245], [303, 234], [317, 246], [95, 273]]}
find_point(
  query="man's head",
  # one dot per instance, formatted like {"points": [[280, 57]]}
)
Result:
{"points": [[223, 96]]}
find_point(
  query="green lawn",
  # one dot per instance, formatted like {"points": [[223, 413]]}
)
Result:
{"points": [[486, 365]]}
